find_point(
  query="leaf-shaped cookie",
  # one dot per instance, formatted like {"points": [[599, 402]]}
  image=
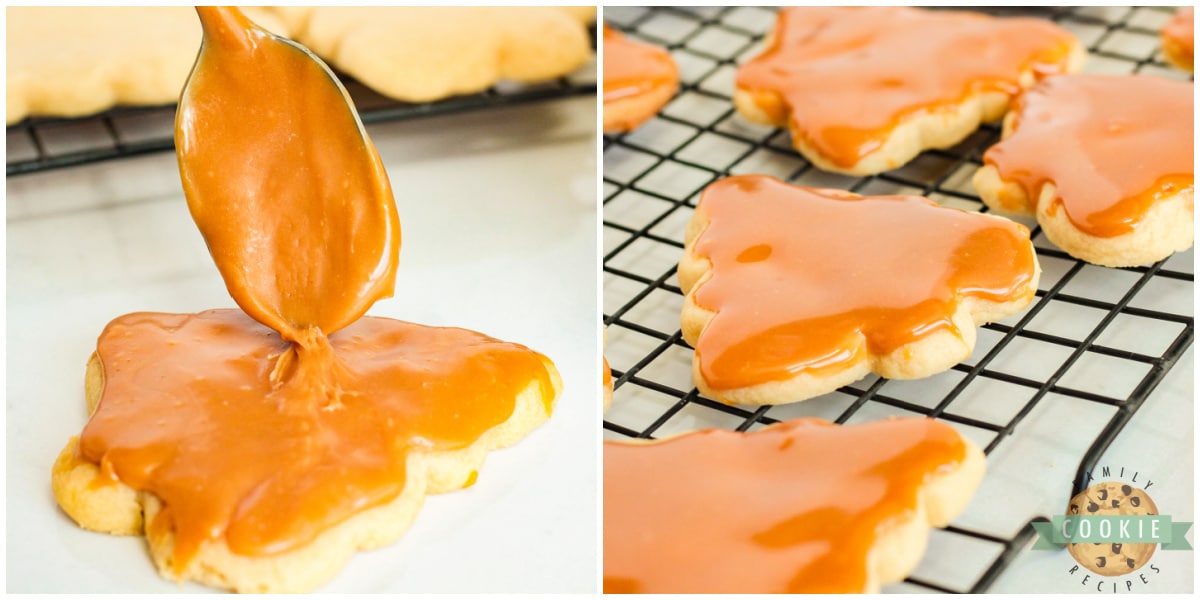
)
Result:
{"points": [[802, 506], [792, 292], [638, 80], [865, 89], [1178, 38], [1106, 162], [283, 182], [256, 488]]}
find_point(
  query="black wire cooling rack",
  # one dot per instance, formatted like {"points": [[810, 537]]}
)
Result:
{"points": [[39, 144], [1082, 316]]}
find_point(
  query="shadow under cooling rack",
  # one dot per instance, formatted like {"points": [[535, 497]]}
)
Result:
{"points": [[40, 144], [1091, 349]]}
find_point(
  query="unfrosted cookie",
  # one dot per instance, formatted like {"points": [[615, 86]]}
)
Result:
{"points": [[1178, 38], [803, 506], [238, 483], [421, 54], [73, 61], [1105, 162], [864, 90], [639, 79], [792, 292]]}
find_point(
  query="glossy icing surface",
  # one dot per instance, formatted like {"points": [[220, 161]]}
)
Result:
{"points": [[1111, 145], [805, 281], [845, 77], [632, 68], [792, 508], [1179, 37], [190, 413]]}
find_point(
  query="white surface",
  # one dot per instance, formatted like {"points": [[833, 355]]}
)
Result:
{"points": [[1158, 444], [497, 210]]}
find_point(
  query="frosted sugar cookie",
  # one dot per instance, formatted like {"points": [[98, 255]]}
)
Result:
{"points": [[864, 90], [792, 292], [1106, 163]]}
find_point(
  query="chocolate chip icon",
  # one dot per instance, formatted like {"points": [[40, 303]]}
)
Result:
{"points": [[1114, 558]]}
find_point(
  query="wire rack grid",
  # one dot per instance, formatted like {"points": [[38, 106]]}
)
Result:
{"points": [[1091, 348], [39, 144]]}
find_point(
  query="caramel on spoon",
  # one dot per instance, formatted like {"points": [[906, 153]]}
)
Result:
{"points": [[283, 182]]}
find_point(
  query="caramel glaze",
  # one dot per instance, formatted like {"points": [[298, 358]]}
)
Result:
{"points": [[805, 280], [1111, 145], [632, 68], [266, 436], [189, 414], [1179, 35], [793, 508], [288, 191], [845, 77]]}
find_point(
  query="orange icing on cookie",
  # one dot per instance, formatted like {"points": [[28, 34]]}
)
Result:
{"points": [[632, 68], [189, 413], [1179, 36], [1111, 145], [793, 508], [844, 78], [264, 437], [804, 280]]}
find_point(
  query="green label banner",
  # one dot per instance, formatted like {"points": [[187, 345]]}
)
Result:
{"points": [[1121, 529]]}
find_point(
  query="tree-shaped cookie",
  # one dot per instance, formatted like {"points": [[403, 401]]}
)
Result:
{"points": [[792, 292], [799, 507], [864, 90], [240, 484], [258, 450], [638, 80], [1105, 162], [1178, 38]]}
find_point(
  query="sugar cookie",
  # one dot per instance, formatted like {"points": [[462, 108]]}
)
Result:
{"points": [[607, 384], [639, 79], [792, 292], [864, 90], [421, 54], [259, 490], [74, 61], [258, 449], [606, 380], [803, 506], [1178, 38], [1105, 162]]}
